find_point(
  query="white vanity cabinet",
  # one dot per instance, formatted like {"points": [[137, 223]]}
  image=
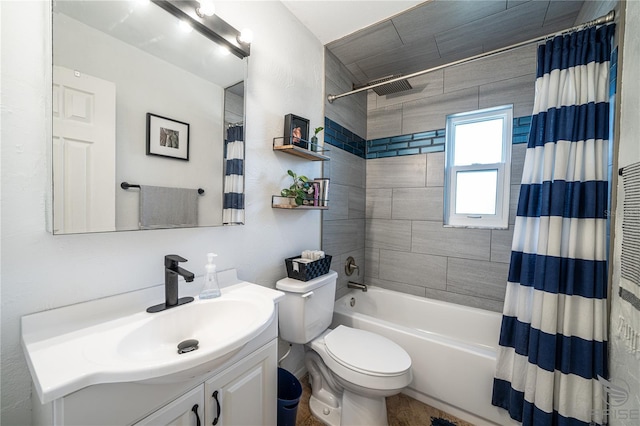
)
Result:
{"points": [[240, 395], [246, 386], [76, 384]]}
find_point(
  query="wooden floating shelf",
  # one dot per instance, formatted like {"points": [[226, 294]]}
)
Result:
{"points": [[276, 203], [300, 152], [290, 207]]}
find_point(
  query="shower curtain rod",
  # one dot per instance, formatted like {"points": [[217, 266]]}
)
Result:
{"points": [[605, 19]]}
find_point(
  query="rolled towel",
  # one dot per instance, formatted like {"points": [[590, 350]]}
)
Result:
{"points": [[295, 263]]}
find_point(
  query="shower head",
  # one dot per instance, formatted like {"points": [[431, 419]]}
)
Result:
{"points": [[390, 88]]}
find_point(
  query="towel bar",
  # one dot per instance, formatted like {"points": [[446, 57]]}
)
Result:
{"points": [[127, 185]]}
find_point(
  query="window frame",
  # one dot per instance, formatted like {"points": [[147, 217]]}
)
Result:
{"points": [[499, 220]]}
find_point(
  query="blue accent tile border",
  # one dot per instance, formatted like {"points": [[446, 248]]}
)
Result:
{"points": [[413, 143], [431, 141], [521, 126], [343, 138]]}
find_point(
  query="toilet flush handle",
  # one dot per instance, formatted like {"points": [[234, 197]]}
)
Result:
{"points": [[307, 295]]}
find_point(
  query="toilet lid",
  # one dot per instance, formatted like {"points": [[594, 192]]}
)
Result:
{"points": [[368, 352]]}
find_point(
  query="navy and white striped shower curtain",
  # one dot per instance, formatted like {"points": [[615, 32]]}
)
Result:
{"points": [[553, 340], [233, 202]]}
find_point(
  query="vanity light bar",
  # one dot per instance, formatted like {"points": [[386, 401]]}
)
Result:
{"points": [[213, 27]]}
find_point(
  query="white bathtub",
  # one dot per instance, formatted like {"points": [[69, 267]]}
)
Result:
{"points": [[452, 347]]}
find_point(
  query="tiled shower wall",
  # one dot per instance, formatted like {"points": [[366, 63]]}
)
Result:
{"points": [[407, 247], [343, 224], [386, 211], [507, 78], [409, 250]]}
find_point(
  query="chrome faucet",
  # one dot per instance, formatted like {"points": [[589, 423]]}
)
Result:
{"points": [[359, 286], [171, 272]]}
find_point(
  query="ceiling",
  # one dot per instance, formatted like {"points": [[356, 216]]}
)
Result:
{"points": [[334, 19], [415, 36]]}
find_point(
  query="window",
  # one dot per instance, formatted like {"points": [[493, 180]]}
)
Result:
{"points": [[477, 170]]}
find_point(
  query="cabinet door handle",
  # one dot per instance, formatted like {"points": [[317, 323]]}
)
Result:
{"points": [[215, 396], [195, 410]]}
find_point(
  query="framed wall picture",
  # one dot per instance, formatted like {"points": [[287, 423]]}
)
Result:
{"points": [[296, 131], [167, 137]]}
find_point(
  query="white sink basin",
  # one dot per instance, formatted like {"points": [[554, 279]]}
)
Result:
{"points": [[216, 324], [144, 347], [70, 348]]}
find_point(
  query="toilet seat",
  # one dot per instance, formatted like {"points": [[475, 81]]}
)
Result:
{"points": [[366, 352], [388, 381]]}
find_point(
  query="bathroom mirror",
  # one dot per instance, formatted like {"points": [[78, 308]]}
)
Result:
{"points": [[137, 98]]}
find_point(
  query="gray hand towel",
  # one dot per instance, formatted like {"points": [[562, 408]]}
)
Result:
{"points": [[163, 207]]}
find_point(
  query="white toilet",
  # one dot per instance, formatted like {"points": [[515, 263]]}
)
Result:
{"points": [[351, 371]]}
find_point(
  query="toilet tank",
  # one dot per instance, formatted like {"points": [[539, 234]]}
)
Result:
{"points": [[307, 308]]}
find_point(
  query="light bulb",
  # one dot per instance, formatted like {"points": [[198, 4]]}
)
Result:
{"points": [[223, 50], [207, 7], [246, 36], [184, 26]]}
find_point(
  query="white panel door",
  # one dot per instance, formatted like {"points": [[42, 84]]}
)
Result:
{"points": [[84, 152]]}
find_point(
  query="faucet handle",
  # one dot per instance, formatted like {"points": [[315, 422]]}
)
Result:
{"points": [[171, 260], [350, 266]]}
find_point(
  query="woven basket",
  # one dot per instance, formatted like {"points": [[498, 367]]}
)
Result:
{"points": [[308, 271]]}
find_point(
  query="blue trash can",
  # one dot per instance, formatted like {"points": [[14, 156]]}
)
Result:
{"points": [[289, 392]]}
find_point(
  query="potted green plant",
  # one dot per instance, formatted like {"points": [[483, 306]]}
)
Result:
{"points": [[301, 190], [314, 138]]}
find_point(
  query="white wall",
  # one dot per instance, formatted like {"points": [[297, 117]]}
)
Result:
{"points": [[624, 365], [41, 271]]}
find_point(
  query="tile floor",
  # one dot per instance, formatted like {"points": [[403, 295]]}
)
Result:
{"points": [[401, 411]]}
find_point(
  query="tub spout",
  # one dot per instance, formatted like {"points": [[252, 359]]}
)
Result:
{"points": [[362, 287]]}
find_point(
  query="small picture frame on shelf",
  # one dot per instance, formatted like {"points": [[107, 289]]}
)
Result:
{"points": [[296, 131], [167, 137]]}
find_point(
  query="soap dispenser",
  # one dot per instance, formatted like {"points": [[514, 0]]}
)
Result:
{"points": [[211, 288]]}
